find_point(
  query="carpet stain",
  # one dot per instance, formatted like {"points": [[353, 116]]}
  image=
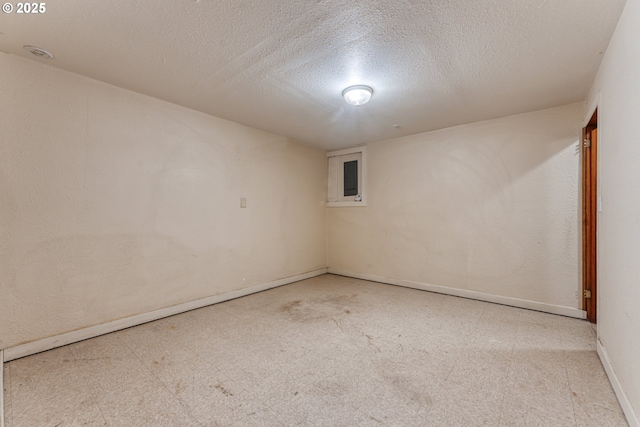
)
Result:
{"points": [[319, 308], [223, 389], [404, 384], [179, 387], [290, 305]]}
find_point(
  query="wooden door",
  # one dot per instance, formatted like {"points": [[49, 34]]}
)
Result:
{"points": [[590, 217]]}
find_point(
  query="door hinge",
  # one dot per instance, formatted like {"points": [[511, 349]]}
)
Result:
{"points": [[587, 293], [587, 143]]}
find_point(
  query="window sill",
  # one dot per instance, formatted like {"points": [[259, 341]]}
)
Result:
{"points": [[346, 204]]}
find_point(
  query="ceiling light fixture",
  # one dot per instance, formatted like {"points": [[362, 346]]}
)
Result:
{"points": [[357, 95], [39, 52]]}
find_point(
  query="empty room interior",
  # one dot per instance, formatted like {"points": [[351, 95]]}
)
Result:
{"points": [[402, 213]]}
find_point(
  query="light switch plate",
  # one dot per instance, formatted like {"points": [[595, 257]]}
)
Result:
{"points": [[243, 202]]}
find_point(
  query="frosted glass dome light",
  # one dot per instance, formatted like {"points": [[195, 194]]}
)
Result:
{"points": [[357, 95]]}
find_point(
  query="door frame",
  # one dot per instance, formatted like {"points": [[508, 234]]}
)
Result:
{"points": [[589, 183]]}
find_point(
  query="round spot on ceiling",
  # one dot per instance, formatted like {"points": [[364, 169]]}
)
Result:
{"points": [[39, 52]]}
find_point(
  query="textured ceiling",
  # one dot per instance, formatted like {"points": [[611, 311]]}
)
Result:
{"points": [[281, 65]]}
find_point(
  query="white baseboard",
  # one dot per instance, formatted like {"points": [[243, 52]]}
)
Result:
{"points": [[49, 343], [632, 419], [514, 302]]}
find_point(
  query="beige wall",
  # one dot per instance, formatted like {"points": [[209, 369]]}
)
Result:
{"points": [[616, 91], [114, 204], [490, 207]]}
